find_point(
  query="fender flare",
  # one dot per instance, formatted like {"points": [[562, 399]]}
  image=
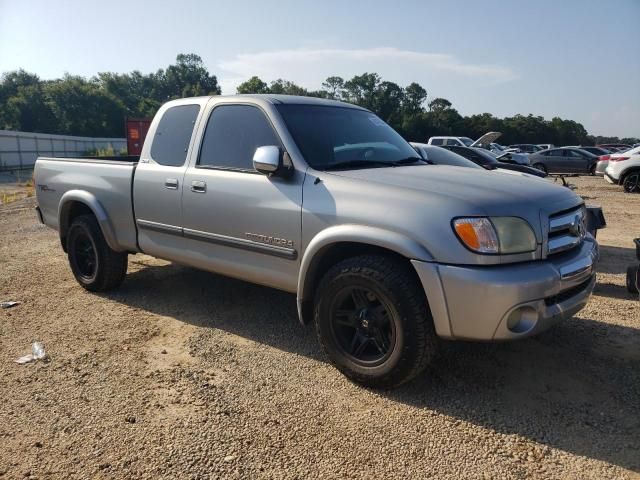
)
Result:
{"points": [[88, 199], [353, 233]]}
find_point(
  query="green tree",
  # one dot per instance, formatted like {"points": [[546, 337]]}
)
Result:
{"points": [[253, 85], [97, 106], [439, 105], [27, 109], [362, 90], [81, 107], [285, 87], [414, 98], [387, 103], [333, 86], [187, 78]]}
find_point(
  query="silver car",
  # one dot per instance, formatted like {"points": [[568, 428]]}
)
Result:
{"points": [[565, 160]]}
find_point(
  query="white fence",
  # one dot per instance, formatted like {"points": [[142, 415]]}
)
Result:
{"points": [[19, 150]]}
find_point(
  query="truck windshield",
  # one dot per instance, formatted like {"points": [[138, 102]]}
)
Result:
{"points": [[338, 137]]}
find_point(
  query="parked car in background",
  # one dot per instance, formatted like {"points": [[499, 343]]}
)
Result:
{"points": [[545, 146], [483, 141], [603, 157], [565, 160], [624, 169], [599, 151], [504, 154], [526, 147], [440, 141], [487, 160], [601, 166], [442, 156], [486, 141], [616, 146]]}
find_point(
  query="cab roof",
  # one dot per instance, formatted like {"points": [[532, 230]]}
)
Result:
{"points": [[296, 100]]}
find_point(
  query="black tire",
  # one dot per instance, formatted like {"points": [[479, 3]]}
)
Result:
{"points": [[632, 278], [399, 335], [541, 166], [592, 170], [631, 182], [95, 266]]}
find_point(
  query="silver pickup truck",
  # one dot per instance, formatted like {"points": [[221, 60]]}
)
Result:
{"points": [[385, 252]]}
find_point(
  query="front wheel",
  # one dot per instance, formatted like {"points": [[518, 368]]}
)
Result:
{"points": [[373, 321], [94, 264], [631, 183]]}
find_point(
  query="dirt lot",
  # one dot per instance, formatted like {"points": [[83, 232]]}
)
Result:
{"points": [[185, 374]]}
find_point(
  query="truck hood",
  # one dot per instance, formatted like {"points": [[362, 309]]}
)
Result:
{"points": [[494, 192]]}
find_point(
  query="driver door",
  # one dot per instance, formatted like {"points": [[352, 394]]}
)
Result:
{"points": [[237, 221]]}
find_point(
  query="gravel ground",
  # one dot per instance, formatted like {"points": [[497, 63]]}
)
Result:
{"points": [[185, 374]]}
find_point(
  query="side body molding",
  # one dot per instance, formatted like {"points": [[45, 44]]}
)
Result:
{"points": [[96, 207], [352, 233]]}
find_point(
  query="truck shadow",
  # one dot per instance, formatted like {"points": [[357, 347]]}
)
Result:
{"points": [[614, 291], [575, 387], [618, 259]]}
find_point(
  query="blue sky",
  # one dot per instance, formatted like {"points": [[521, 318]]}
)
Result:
{"points": [[577, 59]]}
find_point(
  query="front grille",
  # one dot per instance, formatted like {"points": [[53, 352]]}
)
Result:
{"points": [[566, 230], [567, 294]]}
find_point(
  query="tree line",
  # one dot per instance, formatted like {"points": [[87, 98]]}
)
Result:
{"points": [[97, 106]]}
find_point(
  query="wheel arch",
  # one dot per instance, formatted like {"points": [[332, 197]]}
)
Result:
{"points": [[79, 202], [340, 242], [627, 172]]}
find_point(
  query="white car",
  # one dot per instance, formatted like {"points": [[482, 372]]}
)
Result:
{"points": [[458, 141], [624, 169]]}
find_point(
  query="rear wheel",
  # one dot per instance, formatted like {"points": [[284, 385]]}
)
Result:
{"points": [[94, 264], [631, 182], [540, 166], [373, 321], [592, 170]]}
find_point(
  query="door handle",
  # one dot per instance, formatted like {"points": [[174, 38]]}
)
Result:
{"points": [[171, 183], [198, 186]]}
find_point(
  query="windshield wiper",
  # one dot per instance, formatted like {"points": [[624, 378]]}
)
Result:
{"points": [[358, 164], [372, 163], [411, 160]]}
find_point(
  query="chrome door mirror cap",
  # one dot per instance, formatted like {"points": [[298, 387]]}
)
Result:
{"points": [[267, 159]]}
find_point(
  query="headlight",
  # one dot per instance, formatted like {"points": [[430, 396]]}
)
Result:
{"points": [[495, 235]]}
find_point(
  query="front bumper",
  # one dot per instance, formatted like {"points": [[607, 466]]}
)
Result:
{"points": [[508, 302]]}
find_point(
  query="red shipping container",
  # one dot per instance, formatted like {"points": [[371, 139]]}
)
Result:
{"points": [[137, 129]]}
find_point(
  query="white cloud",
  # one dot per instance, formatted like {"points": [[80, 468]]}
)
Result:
{"points": [[310, 66]]}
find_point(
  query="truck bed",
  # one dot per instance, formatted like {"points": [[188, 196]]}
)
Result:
{"points": [[103, 182]]}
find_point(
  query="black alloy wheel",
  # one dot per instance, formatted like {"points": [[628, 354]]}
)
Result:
{"points": [[631, 183], [363, 325], [83, 256]]}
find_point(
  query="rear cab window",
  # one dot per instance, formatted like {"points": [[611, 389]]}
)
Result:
{"points": [[173, 135]]}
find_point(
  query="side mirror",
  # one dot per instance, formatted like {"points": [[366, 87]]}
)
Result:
{"points": [[271, 160]]}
